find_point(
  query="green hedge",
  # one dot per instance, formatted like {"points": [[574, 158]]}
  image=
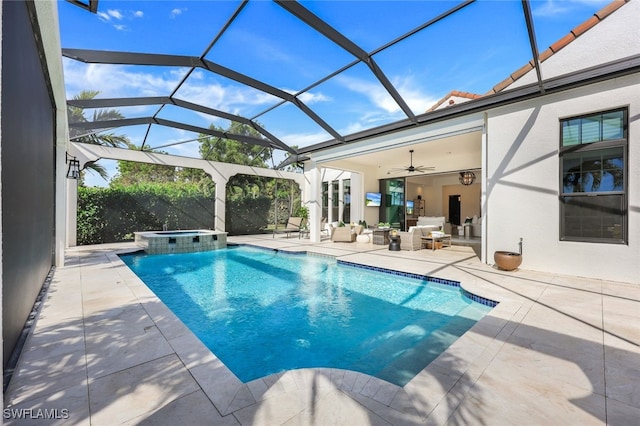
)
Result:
{"points": [[248, 215], [113, 214]]}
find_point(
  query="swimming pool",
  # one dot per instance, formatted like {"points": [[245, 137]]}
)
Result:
{"points": [[262, 311]]}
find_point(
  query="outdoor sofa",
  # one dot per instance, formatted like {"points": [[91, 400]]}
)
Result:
{"points": [[412, 238]]}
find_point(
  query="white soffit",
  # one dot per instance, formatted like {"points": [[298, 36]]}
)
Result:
{"points": [[403, 139]]}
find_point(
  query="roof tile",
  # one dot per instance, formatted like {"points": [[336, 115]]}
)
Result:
{"points": [[585, 26], [558, 45], [545, 55], [522, 71], [451, 102], [610, 8], [562, 42], [502, 85], [555, 47]]}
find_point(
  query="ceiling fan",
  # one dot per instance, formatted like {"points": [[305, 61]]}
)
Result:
{"points": [[411, 167]]}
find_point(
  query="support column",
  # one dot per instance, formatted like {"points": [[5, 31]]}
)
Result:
{"points": [[314, 182], [341, 199], [330, 217], [72, 212], [357, 197], [220, 206]]}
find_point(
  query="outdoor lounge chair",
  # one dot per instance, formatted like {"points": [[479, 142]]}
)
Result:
{"points": [[293, 225], [346, 234]]}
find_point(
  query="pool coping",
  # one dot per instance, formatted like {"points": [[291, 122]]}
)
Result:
{"points": [[543, 345], [238, 396], [244, 401], [556, 347]]}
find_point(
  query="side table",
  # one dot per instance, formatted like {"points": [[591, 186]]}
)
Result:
{"points": [[394, 244], [381, 236]]}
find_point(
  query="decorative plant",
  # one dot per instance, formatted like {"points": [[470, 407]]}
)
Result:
{"points": [[301, 211]]}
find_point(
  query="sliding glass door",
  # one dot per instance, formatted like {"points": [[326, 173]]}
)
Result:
{"points": [[392, 206]]}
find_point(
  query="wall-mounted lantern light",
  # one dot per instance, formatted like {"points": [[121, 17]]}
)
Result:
{"points": [[73, 172]]}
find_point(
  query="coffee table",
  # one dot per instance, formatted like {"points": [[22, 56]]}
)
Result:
{"points": [[445, 240]]}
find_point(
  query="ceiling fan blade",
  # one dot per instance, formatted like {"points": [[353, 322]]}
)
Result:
{"points": [[411, 168]]}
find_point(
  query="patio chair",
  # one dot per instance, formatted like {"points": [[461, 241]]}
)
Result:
{"points": [[293, 225], [323, 227], [346, 234]]}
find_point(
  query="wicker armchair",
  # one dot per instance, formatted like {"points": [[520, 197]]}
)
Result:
{"points": [[345, 234], [411, 240]]}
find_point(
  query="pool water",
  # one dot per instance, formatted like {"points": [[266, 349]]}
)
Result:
{"points": [[262, 311]]}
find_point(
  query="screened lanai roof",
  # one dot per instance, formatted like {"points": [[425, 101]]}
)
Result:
{"points": [[307, 74]]}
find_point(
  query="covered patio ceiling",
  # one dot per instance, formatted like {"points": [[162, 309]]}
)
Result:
{"points": [[306, 76], [442, 155]]}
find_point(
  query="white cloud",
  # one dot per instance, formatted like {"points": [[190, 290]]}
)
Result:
{"points": [[303, 139], [410, 91], [309, 97], [375, 92], [112, 16], [550, 8], [312, 98], [232, 99], [383, 108], [352, 127], [555, 8], [117, 80], [177, 11], [115, 13]]}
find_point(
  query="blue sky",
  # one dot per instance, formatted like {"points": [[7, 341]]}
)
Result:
{"points": [[472, 50]]}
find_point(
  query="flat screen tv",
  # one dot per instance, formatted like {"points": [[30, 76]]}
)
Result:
{"points": [[372, 199], [409, 206]]}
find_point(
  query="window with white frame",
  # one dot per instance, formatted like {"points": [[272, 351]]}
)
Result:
{"points": [[593, 170]]}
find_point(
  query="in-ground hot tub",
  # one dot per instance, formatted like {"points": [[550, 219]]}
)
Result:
{"points": [[188, 241]]}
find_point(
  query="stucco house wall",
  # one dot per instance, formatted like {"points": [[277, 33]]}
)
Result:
{"points": [[523, 172], [522, 163]]}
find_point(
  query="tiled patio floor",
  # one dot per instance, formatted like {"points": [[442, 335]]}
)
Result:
{"points": [[556, 350]]}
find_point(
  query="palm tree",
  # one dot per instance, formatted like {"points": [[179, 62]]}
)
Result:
{"points": [[77, 115]]}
